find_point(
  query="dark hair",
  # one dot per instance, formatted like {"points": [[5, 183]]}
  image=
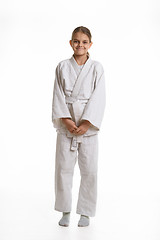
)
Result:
{"points": [[83, 30]]}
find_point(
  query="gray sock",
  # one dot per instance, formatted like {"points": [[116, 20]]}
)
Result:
{"points": [[84, 221], [65, 219]]}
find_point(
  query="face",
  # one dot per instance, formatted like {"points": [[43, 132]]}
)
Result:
{"points": [[80, 44]]}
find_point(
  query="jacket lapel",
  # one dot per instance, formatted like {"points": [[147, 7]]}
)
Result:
{"points": [[81, 76]]}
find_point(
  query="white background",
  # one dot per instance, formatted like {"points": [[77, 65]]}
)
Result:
{"points": [[34, 37]]}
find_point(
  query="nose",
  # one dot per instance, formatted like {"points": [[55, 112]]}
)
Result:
{"points": [[80, 44]]}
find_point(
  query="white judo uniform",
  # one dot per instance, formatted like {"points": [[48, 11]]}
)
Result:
{"points": [[79, 94]]}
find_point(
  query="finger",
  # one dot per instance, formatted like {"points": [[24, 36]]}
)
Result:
{"points": [[78, 130], [80, 133], [71, 130]]}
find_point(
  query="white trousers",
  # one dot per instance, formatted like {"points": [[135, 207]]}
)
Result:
{"points": [[87, 153]]}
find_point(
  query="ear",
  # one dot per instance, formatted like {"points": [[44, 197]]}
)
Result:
{"points": [[70, 42], [90, 44]]}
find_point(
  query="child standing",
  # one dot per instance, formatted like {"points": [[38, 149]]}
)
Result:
{"points": [[77, 111]]}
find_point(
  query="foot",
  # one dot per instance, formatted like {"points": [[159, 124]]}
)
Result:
{"points": [[84, 221], [64, 222]]}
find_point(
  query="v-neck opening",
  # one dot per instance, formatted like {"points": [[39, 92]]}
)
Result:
{"points": [[81, 64], [76, 66]]}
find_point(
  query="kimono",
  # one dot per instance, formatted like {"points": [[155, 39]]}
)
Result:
{"points": [[79, 94]]}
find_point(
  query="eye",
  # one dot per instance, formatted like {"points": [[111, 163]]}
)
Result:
{"points": [[75, 41], [85, 42]]}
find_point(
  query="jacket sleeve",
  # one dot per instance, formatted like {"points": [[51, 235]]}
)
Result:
{"points": [[59, 106], [95, 107]]}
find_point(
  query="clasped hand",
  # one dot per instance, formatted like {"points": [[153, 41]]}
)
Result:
{"points": [[72, 128]]}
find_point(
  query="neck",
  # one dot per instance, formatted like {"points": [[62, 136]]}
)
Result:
{"points": [[80, 59]]}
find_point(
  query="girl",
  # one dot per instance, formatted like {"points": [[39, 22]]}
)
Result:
{"points": [[77, 111]]}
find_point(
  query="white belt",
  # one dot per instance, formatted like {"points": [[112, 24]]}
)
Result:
{"points": [[72, 100], [75, 141], [75, 103]]}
